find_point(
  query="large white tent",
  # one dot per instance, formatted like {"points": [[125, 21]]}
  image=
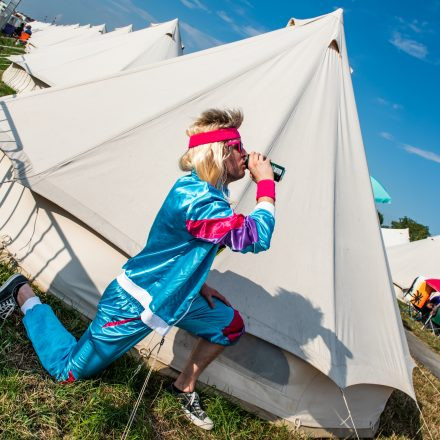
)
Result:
{"points": [[88, 185], [111, 53]]}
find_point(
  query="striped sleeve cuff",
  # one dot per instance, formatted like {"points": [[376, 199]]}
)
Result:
{"points": [[267, 206]]}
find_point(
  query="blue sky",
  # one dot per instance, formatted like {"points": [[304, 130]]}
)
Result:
{"points": [[394, 50]]}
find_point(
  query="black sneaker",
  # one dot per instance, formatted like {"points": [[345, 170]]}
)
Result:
{"points": [[8, 294], [192, 409]]}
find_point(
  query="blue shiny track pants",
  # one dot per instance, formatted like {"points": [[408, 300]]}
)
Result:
{"points": [[117, 327]]}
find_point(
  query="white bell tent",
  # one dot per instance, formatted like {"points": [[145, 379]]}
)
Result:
{"points": [[408, 261], [323, 329], [110, 53], [394, 237], [54, 35]]}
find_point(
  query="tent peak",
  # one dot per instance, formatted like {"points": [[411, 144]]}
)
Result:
{"points": [[174, 21], [339, 13]]}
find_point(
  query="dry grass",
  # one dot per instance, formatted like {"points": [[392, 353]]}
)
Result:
{"points": [[401, 418], [416, 327]]}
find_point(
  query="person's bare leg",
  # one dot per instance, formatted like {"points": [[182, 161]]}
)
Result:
{"points": [[204, 352], [24, 293]]}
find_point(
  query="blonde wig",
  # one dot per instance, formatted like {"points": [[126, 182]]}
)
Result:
{"points": [[208, 160]]}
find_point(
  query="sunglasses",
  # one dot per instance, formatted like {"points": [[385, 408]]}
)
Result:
{"points": [[236, 143]]}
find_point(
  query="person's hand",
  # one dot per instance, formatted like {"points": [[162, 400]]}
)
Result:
{"points": [[208, 293], [259, 167]]}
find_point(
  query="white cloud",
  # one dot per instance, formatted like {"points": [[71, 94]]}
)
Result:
{"points": [[428, 155], [118, 5], [194, 4], [225, 17], [197, 39], [382, 101], [247, 3], [245, 30], [415, 25], [386, 135], [411, 47], [252, 31], [129, 7], [386, 103]]}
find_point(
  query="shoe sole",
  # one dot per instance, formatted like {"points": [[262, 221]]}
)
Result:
{"points": [[6, 284], [200, 423]]}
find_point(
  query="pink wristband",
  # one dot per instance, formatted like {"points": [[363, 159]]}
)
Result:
{"points": [[266, 188]]}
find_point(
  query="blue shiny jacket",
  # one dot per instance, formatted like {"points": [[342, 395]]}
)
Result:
{"points": [[193, 222]]}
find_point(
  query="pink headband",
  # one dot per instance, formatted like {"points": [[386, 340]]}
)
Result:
{"points": [[223, 134]]}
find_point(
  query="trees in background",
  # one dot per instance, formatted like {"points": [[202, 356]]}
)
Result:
{"points": [[380, 215], [417, 231]]}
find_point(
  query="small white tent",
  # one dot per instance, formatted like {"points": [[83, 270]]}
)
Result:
{"points": [[408, 261], [86, 35], [111, 53], [90, 183], [56, 35], [394, 237], [38, 26], [124, 29]]}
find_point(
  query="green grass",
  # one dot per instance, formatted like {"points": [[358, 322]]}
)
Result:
{"points": [[33, 406], [415, 327], [4, 62], [12, 49], [4, 89]]}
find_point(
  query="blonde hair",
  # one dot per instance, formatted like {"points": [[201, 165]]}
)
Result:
{"points": [[208, 160]]}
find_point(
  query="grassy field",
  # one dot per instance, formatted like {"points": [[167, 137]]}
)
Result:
{"points": [[4, 53], [4, 62], [33, 406]]}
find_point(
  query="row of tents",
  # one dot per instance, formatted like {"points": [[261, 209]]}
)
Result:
{"points": [[87, 165], [62, 55]]}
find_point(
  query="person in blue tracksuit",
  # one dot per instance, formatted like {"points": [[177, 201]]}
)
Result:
{"points": [[164, 285]]}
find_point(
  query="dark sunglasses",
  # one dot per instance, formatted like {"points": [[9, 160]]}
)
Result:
{"points": [[236, 143]]}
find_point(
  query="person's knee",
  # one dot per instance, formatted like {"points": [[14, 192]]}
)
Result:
{"points": [[235, 329]]}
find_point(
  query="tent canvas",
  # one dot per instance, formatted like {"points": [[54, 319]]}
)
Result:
{"points": [[124, 29], [86, 35], [408, 261], [38, 26], [110, 53], [394, 237], [58, 34], [111, 176]]}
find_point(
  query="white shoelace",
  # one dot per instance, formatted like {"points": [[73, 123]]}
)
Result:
{"points": [[193, 396], [6, 308]]}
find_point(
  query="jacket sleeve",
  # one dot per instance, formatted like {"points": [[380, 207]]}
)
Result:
{"points": [[210, 218]]}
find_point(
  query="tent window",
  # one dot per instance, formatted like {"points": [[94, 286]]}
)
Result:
{"points": [[334, 45], [291, 22]]}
